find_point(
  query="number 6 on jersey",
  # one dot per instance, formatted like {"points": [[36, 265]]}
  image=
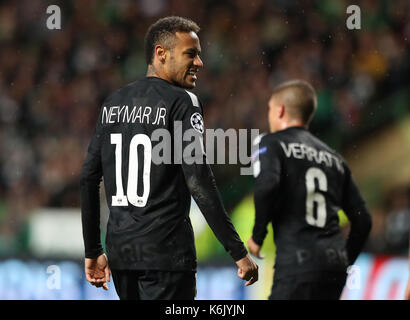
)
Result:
{"points": [[132, 193], [313, 197]]}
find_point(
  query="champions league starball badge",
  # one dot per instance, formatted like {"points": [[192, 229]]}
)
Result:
{"points": [[197, 122]]}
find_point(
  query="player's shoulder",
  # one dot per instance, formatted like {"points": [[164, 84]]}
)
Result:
{"points": [[271, 138], [185, 103], [265, 138], [192, 98], [187, 98], [321, 145], [324, 146], [122, 91], [296, 136], [291, 133], [302, 135], [168, 92], [175, 92], [266, 143], [176, 95]]}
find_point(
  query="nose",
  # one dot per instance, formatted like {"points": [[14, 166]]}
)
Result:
{"points": [[198, 62]]}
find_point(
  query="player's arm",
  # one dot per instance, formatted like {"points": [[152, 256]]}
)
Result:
{"points": [[202, 186], [97, 271], [90, 179], [358, 215], [200, 179], [407, 291], [267, 169]]}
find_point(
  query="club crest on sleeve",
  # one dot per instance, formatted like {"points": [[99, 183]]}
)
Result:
{"points": [[197, 122]]}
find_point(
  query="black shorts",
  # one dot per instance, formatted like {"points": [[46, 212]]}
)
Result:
{"points": [[309, 286], [154, 285]]}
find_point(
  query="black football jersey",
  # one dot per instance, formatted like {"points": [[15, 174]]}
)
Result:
{"points": [[150, 170], [300, 186]]}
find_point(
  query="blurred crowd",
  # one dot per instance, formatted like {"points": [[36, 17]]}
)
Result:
{"points": [[391, 224], [53, 82]]}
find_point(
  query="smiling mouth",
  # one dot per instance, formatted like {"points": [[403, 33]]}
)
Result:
{"points": [[192, 74]]}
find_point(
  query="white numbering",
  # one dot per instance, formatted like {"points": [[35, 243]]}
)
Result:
{"points": [[132, 193], [312, 197]]}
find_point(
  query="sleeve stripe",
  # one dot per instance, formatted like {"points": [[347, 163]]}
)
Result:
{"points": [[194, 98]]}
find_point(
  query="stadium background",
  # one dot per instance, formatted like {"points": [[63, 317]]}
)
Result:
{"points": [[53, 81]]}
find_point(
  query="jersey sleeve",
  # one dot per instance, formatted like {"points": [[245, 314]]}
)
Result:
{"points": [[267, 171], [359, 216], [90, 179], [199, 176]]}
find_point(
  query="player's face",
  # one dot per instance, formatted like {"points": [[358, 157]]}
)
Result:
{"points": [[184, 62]]}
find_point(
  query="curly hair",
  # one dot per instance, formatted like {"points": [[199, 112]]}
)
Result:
{"points": [[163, 32]]}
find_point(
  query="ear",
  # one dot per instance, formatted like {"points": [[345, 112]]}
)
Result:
{"points": [[160, 53], [281, 111]]}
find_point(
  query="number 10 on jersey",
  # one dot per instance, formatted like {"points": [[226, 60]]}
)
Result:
{"points": [[132, 193]]}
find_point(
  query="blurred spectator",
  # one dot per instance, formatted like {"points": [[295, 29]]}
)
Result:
{"points": [[398, 221]]}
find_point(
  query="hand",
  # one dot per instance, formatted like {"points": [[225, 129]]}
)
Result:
{"points": [[254, 248], [407, 292], [97, 271], [247, 270]]}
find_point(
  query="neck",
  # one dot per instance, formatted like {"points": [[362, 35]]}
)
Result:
{"points": [[155, 71], [296, 123], [152, 71], [290, 123]]}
